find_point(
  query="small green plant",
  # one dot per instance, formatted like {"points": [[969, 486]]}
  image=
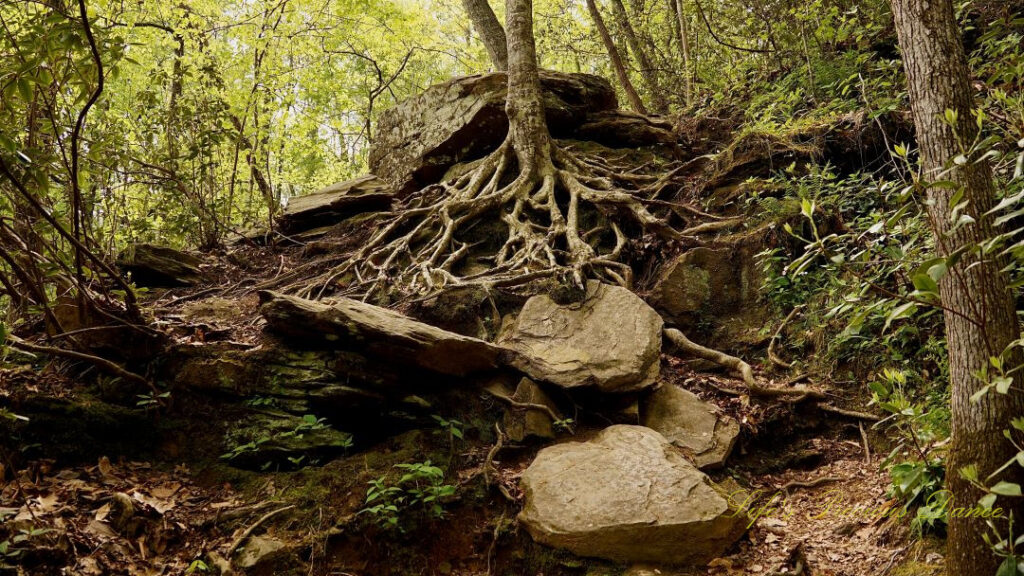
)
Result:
{"points": [[153, 400], [309, 423], [453, 428], [251, 446], [261, 401], [197, 566], [420, 488], [9, 549], [564, 425], [8, 415], [916, 473]]}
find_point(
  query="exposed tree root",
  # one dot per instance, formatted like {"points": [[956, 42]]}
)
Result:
{"points": [[794, 395], [490, 470], [565, 214], [516, 405], [772, 355], [721, 358], [101, 363]]}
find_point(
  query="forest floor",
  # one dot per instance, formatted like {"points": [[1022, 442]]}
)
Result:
{"points": [[817, 493], [812, 483]]}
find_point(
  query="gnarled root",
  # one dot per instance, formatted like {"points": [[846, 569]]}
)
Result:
{"points": [[721, 358], [794, 394], [421, 247]]}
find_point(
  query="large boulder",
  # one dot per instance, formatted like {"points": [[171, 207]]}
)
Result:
{"points": [[705, 282], [153, 265], [335, 203], [464, 118], [625, 129], [691, 424], [611, 340], [378, 332], [627, 495]]}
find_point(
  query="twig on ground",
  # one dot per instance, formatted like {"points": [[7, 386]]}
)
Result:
{"points": [[101, 363], [849, 413], [867, 447], [252, 528]]}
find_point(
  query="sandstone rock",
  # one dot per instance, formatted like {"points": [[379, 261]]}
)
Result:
{"points": [[335, 203], [625, 129], [258, 551], [705, 281], [464, 118], [379, 332], [611, 340], [627, 495], [690, 424], [152, 265], [521, 424]]}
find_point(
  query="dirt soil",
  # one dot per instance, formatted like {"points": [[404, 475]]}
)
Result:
{"points": [[817, 499]]}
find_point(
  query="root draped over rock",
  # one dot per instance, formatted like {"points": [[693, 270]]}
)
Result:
{"points": [[418, 247]]}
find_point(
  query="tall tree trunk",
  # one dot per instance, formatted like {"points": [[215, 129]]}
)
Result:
{"points": [[490, 30], [613, 54], [524, 105], [980, 316], [647, 71], [684, 42]]}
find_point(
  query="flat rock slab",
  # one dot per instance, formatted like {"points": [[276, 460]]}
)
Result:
{"points": [[464, 118], [379, 332], [611, 340], [334, 203], [153, 265], [692, 424], [627, 495], [625, 129]]}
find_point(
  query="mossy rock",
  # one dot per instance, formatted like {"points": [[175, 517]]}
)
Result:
{"points": [[268, 439]]}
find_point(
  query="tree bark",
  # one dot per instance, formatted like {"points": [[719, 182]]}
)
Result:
{"points": [[613, 55], [684, 42], [524, 105], [490, 30], [979, 313], [647, 71]]}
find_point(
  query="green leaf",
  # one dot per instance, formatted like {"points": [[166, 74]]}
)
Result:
{"points": [[903, 311], [807, 207], [1008, 567], [925, 283], [987, 501], [25, 89], [1005, 488]]}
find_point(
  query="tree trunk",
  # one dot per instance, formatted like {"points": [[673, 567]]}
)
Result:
{"points": [[647, 71], [528, 127], [684, 42], [613, 55], [490, 30], [979, 312]]}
